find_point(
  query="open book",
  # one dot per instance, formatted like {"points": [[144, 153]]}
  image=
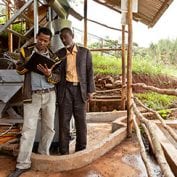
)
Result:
{"points": [[36, 59]]}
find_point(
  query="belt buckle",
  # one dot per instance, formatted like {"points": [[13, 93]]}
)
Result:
{"points": [[75, 83], [44, 91]]}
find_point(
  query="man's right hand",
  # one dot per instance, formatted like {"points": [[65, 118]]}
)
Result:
{"points": [[45, 70]]}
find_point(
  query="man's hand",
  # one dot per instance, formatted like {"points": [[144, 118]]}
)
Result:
{"points": [[45, 70], [89, 96]]}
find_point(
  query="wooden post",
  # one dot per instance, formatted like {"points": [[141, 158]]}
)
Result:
{"points": [[10, 35], [123, 93], [85, 23], [129, 70]]}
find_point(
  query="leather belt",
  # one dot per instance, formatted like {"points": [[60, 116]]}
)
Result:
{"points": [[72, 83], [44, 90]]}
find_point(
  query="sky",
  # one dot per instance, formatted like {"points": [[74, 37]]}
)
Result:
{"points": [[165, 28]]}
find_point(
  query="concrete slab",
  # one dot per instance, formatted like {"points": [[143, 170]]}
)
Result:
{"points": [[104, 116], [95, 149], [118, 123], [79, 159]]}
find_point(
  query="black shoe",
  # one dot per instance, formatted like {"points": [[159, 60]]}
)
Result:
{"points": [[63, 153], [79, 149], [17, 172]]}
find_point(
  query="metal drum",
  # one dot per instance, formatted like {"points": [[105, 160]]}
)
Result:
{"points": [[55, 26]]}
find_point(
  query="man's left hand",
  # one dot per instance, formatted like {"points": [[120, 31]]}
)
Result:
{"points": [[89, 96]]}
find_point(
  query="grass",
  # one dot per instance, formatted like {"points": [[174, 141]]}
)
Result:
{"points": [[156, 101], [106, 65], [112, 65], [150, 67]]}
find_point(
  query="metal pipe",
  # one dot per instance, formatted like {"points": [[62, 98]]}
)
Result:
{"points": [[15, 33], [36, 20], [50, 14], [58, 8], [15, 16]]}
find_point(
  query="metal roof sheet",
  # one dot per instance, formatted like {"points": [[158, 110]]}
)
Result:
{"points": [[149, 11]]}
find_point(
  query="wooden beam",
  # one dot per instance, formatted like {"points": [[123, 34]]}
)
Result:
{"points": [[152, 128], [10, 35], [105, 49], [110, 6], [156, 89], [142, 149], [107, 91], [105, 100], [129, 70], [160, 12], [85, 23], [123, 93]]}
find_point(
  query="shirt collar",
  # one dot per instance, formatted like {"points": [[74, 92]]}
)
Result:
{"points": [[73, 51], [43, 53]]}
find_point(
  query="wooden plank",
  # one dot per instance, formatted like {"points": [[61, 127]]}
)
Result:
{"points": [[105, 100], [11, 121], [107, 97]]}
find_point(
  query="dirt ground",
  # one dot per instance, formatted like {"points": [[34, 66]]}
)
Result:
{"points": [[123, 161]]}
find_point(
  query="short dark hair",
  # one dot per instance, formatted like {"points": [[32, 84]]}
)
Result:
{"points": [[66, 29], [45, 31]]}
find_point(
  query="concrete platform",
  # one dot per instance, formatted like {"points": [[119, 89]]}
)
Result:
{"points": [[100, 141]]}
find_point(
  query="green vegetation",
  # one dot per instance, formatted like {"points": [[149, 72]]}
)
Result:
{"points": [[106, 64], [151, 67], [158, 59], [164, 113], [111, 65], [156, 101]]}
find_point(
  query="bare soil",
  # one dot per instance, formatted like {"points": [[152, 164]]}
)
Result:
{"points": [[123, 161], [157, 81]]}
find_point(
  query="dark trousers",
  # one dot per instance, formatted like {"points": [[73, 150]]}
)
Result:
{"points": [[72, 105]]}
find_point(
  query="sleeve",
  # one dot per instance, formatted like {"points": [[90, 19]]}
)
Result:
{"points": [[90, 75], [20, 63], [54, 78]]}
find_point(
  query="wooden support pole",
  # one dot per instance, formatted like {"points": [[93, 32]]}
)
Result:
{"points": [[166, 170], [10, 35], [142, 149], [85, 23], [129, 70], [123, 93], [168, 128]]}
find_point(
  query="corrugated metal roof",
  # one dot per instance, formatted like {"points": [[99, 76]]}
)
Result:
{"points": [[149, 11]]}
